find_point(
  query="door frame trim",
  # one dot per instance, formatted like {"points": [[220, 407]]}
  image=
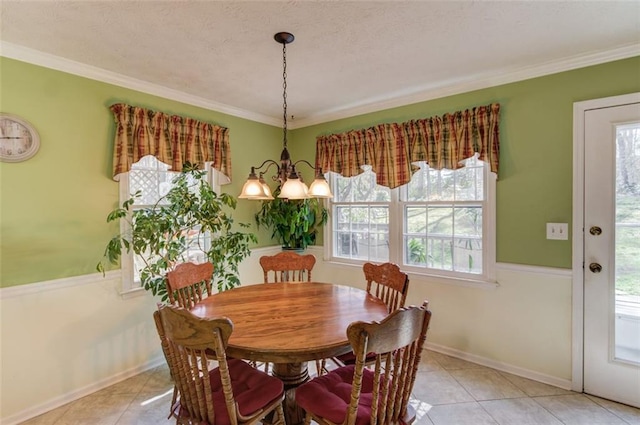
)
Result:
{"points": [[577, 315]]}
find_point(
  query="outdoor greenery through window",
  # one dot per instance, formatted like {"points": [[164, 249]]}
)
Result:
{"points": [[627, 230], [153, 180], [442, 219]]}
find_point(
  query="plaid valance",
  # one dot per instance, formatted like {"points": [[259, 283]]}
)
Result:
{"points": [[172, 139], [390, 149]]}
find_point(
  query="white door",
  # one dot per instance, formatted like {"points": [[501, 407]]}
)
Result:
{"points": [[612, 253]]}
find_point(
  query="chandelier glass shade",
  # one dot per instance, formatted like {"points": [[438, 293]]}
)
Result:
{"points": [[292, 186]]}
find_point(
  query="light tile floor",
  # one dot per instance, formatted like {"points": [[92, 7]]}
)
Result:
{"points": [[448, 391]]}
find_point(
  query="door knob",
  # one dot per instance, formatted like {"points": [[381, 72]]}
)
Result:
{"points": [[595, 230], [595, 267]]}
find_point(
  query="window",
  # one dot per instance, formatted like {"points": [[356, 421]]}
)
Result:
{"points": [[441, 223], [153, 180], [360, 217]]}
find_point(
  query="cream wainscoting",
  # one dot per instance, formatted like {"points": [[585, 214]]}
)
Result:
{"points": [[69, 338], [64, 339], [522, 325]]}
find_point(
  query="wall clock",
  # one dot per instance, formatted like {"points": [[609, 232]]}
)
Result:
{"points": [[19, 140]]}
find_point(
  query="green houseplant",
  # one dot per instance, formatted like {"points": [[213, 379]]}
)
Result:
{"points": [[293, 222], [190, 215]]}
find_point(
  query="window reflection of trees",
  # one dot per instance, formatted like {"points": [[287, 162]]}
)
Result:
{"points": [[627, 231], [442, 218]]}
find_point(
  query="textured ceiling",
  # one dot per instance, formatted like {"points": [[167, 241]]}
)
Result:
{"points": [[348, 57]]}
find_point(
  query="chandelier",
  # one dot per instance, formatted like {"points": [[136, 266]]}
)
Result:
{"points": [[291, 184]]}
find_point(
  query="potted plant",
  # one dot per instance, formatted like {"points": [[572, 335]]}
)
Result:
{"points": [[294, 222], [190, 214]]}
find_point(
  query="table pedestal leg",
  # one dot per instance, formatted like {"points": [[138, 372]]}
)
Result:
{"points": [[292, 375]]}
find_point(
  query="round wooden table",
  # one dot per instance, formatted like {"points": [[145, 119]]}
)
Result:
{"points": [[288, 324]]}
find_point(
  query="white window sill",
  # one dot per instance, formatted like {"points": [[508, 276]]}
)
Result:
{"points": [[132, 293], [458, 281], [444, 280]]}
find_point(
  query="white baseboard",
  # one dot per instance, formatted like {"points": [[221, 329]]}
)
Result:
{"points": [[63, 399], [504, 367], [97, 386]]}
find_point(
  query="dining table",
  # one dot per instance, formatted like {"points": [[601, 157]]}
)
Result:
{"points": [[290, 323]]}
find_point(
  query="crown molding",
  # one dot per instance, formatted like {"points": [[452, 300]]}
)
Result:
{"points": [[472, 83], [36, 57], [477, 82]]}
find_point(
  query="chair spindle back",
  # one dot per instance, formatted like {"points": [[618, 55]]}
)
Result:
{"points": [[189, 284], [397, 343], [387, 282], [190, 342], [287, 266]]}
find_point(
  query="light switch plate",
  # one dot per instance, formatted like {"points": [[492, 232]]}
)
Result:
{"points": [[558, 231]]}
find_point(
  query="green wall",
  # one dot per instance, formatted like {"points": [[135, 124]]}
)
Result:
{"points": [[536, 150], [53, 206]]}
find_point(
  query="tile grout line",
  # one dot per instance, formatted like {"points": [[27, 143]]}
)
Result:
{"points": [[547, 410], [521, 389], [605, 408], [134, 397]]}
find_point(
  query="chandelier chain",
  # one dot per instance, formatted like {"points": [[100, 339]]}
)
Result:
{"points": [[290, 182], [284, 92]]}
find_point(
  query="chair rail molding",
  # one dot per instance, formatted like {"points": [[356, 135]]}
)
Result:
{"points": [[57, 284]]}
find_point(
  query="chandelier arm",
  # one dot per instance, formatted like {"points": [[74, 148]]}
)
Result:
{"points": [[268, 161], [304, 161]]}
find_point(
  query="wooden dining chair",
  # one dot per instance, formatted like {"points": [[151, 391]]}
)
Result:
{"points": [[165, 350], [355, 394], [189, 284], [386, 282], [233, 393], [287, 266]]}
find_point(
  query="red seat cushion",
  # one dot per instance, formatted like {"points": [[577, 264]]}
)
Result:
{"points": [[350, 358], [328, 395], [252, 390]]}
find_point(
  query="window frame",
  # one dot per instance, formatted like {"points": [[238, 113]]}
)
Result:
{"points": [[129, 285], [396, 237]]}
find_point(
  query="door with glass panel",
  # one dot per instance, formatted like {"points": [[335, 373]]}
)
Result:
{"points": [[612, 253]]}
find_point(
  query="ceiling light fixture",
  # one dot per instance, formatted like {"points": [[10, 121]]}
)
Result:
{"points": [[292, 186]]}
